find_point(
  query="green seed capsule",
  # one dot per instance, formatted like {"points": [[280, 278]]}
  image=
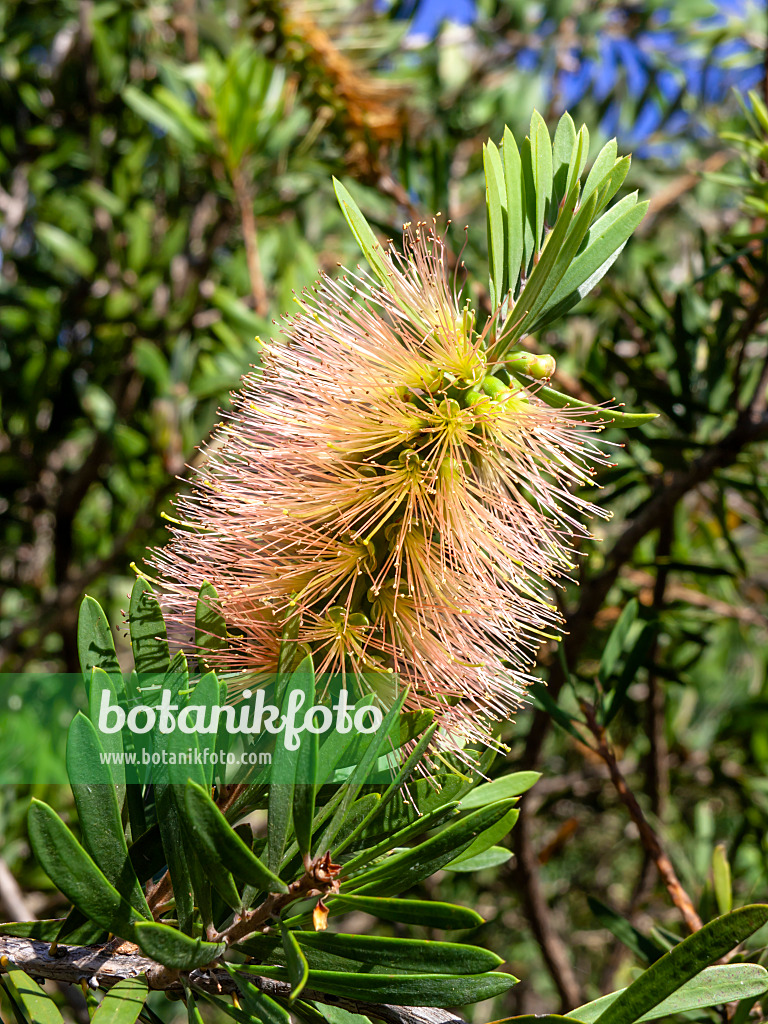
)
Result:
{"points": [[538, 367]]}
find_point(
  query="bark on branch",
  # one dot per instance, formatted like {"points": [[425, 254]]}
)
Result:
{"points": [[101, 965]]}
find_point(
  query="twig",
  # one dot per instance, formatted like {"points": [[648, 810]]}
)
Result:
{"points": [[99, 965], [648, 836], [553, 948], [250, 238]]}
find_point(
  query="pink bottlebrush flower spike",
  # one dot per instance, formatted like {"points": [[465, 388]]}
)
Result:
{"points": [[379, 480]]}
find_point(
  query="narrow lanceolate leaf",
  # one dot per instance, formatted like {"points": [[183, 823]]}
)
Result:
{"points": [[605, 240], [604, 162], [95, 645], [148, 634], [283, 770], [395, 787], [402, 989], [210, 628], [99, 813], [684, 962], [541, 160], [513, 183], [74, 872], [490, 858], [560, 401], [212, 831], [206, 695], [614, 646], [26, 993], [547, 272], [307, 767], [360, 774], [296, 962], [123, 1003], [715, 986], [111, 742], [402, 870], [372, 249], [172, 948], [563, 146], [412, 954], [721, 872], [500, 789], [425, 912], [490, 837], [496, 202], [261, 1007]]}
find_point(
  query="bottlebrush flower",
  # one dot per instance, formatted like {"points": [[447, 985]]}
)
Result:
{"points": [[383, 480]]}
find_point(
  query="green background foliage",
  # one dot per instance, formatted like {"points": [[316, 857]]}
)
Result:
{"points": [[165, 184]]}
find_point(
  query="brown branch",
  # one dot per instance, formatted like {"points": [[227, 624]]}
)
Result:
{"points": [[250, 238], [648, 837], [554, 950], [100, 966]]}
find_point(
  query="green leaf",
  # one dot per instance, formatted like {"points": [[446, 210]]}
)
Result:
{"points": [[150, 110], [258, 1004], [395, 788], [71, 869], [413, 954], [513, 181], [563, 146], [111, 743], [625, 932], [431, 914], [99, 813], [500, 789], [123, 1003], [496, 202], [636, 658], [538, 1018], [714, 986], [403, 989], [26, 992], [95, 644], [296, 963], [175, 847], [282, 773], [213, 832], [397, 836], [206, 695], [360, 774], [210, 628], [604, 162], [489, 858], [684, 962], [721, 872], [605, 240], [147, 628], [307, 767], [614, 646], [557, 400], [550, 268], [371, 247], [402, 870], [173, 948], [490, 837], [541, 160], [68, 249]]}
